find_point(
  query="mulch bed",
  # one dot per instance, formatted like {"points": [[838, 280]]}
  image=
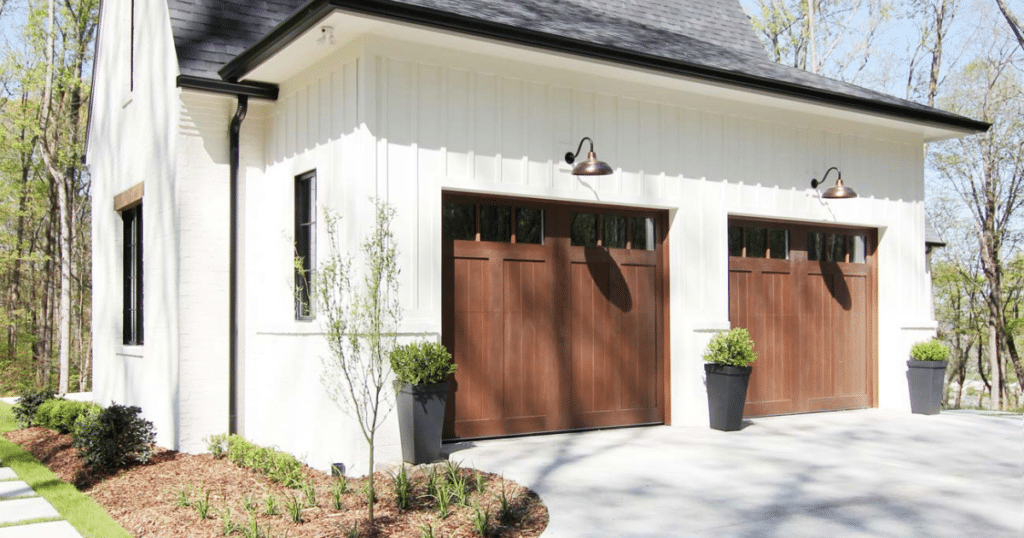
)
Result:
{"points": [[146, 499]]}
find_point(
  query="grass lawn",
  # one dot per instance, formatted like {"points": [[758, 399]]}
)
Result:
{"points": [[85, 515]]}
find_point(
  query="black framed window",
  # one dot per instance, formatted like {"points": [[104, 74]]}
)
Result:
{"points": [[132, 332], [305, 242]]}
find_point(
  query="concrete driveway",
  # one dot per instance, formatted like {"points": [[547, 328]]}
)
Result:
{"points": [[842, 474]]}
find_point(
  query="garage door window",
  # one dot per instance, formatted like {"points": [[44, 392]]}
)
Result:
{"points": [[611, 231], [836, 247], [758, 242], [494, 223]]}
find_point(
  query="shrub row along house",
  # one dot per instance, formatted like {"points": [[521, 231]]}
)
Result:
{"points": [[222, 132]]}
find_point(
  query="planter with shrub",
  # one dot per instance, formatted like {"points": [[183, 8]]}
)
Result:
{"points": [[728, 359], [926, 371], [421, 381]]}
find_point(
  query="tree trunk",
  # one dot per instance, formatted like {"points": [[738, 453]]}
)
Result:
{"points": [[1011, 19]]}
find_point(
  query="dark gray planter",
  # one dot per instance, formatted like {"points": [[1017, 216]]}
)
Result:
{"points": [[925, 379], [420, 418], [727, 394]]}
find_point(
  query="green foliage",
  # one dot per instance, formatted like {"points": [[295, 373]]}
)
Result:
{"points": [[217, 445], [293, 506], [280, 467], [506, 510], [422, 363], [249, 503], [337, 490], [481, 521], [203, 505], [183, 498], [733, 347], [402, 487], [479, 481], [61, 415], [932, 350], [426, 530], [270, 507], [28, 404], [114, 438], [309, 490]]}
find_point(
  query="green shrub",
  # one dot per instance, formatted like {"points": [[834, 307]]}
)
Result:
{"points": [[114, 438], [217, 445], [280, 467], [733, 347], [421, 363], [61, 415], [932, 350], [28, 404]]}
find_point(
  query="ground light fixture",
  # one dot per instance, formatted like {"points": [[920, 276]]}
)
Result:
{"points": [[589, 167], [839, 191]]}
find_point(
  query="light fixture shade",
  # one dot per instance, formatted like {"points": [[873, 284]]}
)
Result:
{"points": [[591, 167], [839, 191]]}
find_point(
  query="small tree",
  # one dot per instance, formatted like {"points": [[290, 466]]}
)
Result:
{"points": [[360, 325]]}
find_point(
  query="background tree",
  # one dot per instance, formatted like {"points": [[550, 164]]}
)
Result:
{"points": [[44, 246], [361, 328], [987, 173]]}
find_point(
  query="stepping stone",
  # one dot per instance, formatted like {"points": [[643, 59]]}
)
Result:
{"points": [[14, 488], [6, 473], [26, 509], [52, 529]]}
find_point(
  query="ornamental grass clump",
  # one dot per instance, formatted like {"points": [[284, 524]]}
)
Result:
{"points": [[421, 363], [932, 350], [732, 348]]}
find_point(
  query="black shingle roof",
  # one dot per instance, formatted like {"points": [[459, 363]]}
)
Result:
{"points": [[709, 38]]}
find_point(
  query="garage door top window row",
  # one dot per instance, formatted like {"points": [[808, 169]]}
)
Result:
{"points": [[765, 242], [466, 221]]}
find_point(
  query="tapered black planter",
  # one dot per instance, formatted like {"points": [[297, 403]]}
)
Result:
{"points": [[925, 379], [727, 394], [420, 418]]}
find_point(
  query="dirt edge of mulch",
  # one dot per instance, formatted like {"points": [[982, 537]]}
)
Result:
{"points": [[160, 499]]}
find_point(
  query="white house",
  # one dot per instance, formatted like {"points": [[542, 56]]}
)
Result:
{"points": [[222, 131]]}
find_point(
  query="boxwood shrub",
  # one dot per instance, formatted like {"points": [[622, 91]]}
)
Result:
{"points": [[421, 363], [114, 438], [61, 415], [932, 350], [733, 347], [278, 466], [28, 404]]}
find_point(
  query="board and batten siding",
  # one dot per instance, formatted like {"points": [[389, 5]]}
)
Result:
{"points": [[407, 122]]}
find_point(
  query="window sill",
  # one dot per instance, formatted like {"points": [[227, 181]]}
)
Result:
{"points": [[136, 352]]}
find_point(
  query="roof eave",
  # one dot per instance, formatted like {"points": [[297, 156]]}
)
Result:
{"points": [[314, 11]]}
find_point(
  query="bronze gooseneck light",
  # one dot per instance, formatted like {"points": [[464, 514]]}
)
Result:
{"points": [[838, 191], [589, 167]]}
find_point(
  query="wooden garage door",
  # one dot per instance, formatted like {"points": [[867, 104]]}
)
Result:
{"points": [[554, 314], [807, 296]]}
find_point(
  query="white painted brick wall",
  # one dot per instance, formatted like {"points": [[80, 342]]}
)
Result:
{"points": [[203, 205]]}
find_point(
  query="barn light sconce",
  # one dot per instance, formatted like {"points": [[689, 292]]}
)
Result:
{"points": [[839, 191], [326, 36], [589, 167]]}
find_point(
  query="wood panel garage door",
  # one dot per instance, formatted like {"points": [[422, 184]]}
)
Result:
{"points": [[807, 296], [554, 314]]}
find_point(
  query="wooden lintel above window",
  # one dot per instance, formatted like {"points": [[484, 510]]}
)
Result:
{"points": [[129, 198]]}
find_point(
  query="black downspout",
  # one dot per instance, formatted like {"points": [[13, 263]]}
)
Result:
{"points": [[236, 129]]}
